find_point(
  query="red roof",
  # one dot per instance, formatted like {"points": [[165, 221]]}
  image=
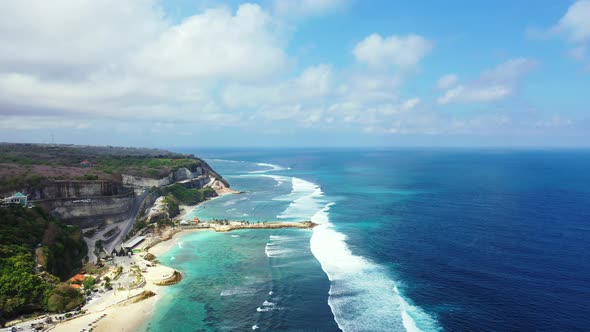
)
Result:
{"points": [[78, 278]]}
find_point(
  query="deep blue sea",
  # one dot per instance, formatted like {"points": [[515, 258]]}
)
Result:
{"points": [[430, 240]]}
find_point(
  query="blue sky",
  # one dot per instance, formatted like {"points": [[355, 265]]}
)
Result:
{"points": [[296, 73]]}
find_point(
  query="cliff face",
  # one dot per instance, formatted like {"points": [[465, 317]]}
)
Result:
{"points": [[87, 185], [89, 203], [91, 211], [181, 174], [142, 182], [78, 189]]}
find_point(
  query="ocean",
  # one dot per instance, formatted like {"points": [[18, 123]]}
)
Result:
{"points": [[408, 240]]}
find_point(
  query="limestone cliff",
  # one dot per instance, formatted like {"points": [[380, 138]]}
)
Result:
{"points": [[78, 189], [181, 174], [90, 211], [89, 186]]}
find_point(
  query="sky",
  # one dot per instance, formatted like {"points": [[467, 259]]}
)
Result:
{"points": [[289, 73]]}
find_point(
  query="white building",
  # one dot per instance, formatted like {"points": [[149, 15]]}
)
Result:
{"points": [[16, 199]]}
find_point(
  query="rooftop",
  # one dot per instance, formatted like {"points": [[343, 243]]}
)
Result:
{"points": [[133, 242], [77, 278]]}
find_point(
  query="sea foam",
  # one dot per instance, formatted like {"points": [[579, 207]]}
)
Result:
{"points": [[304, 198], [270, 168], [274, 248], [361, 295]]}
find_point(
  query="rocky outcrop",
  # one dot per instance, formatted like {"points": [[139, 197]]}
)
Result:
{"points": [[196, 183], [143, 182], [146, 294], [180, 174], [232, 226], [175, 278], [148, 203], [185, 173]]}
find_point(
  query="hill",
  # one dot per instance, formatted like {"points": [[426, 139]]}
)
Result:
{"points": [[36, 252], [28, 167]]}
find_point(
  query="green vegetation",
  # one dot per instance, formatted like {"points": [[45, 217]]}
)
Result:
{"points": [[171, 205], [64, 298], [13, 180], [98, 246], [107, 283], [188, 196], [88, 177], [28, 236], [27, 167], [118, 273], [19, 286], [89, 282], [152, 167]]}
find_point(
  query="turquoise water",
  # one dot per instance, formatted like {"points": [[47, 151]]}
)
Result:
{"points": [[429, 240], [246, 280]]}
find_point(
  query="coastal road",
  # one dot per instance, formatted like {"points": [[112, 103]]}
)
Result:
{"points": [[126, 225]]}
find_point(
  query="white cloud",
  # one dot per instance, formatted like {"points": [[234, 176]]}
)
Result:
{"points": [[576, 22], [369, 87], [106, 59], [399, 51], [126, 66], [574, 26], [61, 37], [410, 103], [302, 8], [216, 44], [314, 82], [493, 84], [320, 96], [474, 94], [509, 71], [447, 81]]}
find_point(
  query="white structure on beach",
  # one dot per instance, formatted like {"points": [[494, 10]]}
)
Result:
{"points": [[16, 199], [129, 245]]}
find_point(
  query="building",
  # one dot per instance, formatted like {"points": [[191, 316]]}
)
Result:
{"points": [[16, 199], [77, 280], [86, 163], [129, 245]]}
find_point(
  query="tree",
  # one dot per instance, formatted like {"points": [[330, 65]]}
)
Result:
{"points": [[107, 283], [64, 298], [55, 303], [89, 282]]}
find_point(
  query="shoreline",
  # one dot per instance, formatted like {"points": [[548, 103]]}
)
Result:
{"points": [[137, 314], [118, 311]]}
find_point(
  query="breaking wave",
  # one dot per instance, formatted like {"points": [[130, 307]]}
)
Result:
{"points": [[362, 296], [270, 168], [274, 249]]}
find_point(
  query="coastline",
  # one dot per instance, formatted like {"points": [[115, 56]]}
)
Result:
{"points": [[136, 314], [107, 313], [109, 316]]}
